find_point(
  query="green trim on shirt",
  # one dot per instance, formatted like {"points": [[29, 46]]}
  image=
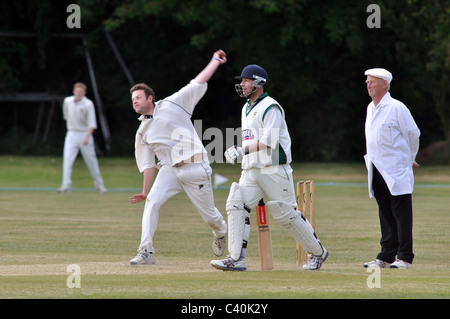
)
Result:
{"points": [[270, 106], [251, 106], [282, 158]]}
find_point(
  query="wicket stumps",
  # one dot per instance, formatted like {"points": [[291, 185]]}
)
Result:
{"points": [[306, 204]]}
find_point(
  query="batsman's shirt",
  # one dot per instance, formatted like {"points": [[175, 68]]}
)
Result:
{"points": [[264, 121], [169, 134]]}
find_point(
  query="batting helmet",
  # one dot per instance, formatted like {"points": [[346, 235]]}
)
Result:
{"points": [[254, 72]]}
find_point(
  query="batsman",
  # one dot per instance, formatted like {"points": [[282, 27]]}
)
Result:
{"points": [[265, 156]]}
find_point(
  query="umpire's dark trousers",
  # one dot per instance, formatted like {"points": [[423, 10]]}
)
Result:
{"points": [[396, 221]]}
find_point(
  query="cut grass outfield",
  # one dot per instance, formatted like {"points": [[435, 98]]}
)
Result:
{"points": [[43, 232]]}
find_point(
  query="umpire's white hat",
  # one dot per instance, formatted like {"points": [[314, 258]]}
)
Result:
{"points": [[380, 73]]}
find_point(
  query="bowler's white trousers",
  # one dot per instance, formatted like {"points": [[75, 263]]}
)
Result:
{"points": [[195, 180], [74, 144]]}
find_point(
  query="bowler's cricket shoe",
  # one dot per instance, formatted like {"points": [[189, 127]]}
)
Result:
{"points": [[229, 264], [143, 257], [315, 262], [218, 246], [400, 264], [377, 263]]}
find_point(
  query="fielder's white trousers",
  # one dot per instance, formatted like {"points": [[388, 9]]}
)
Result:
{"points": [[272, 182], [74, 144], [195, 180]]}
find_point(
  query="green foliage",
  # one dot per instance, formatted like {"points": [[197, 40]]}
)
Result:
{"points": [[314, 51]]}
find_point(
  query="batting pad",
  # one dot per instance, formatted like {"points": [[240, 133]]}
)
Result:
{"points": [[297, 225], [236, 221]]}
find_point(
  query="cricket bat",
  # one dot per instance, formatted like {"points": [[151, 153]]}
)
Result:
{"points": [[264, 238]]}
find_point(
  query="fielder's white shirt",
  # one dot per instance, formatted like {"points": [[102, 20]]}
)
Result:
{"points": [[169, 134], [79, 116], [264, 121], [392, 142]]}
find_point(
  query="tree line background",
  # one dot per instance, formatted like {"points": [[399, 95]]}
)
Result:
{"points": [[315, 53]]}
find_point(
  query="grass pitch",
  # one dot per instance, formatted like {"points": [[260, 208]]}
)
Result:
{"points": [[43, 232]]}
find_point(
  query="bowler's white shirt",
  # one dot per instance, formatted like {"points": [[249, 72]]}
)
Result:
{"points": [[79, 116], [392, 143], [169, 134]]}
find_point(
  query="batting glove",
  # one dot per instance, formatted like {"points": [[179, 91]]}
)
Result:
{"points": [[234, 154]]}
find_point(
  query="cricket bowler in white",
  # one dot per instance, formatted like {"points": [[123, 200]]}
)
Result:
{"points": [[167, 133], [265, 156]]}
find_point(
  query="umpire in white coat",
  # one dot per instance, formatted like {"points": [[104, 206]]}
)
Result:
{"points": [[392, 142]]}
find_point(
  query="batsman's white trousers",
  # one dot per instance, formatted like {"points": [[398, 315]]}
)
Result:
{"points": [[195, 180], [273, 182], [74, 144]]}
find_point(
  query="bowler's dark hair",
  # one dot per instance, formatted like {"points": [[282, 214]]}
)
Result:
{"points": [[147, 90]]}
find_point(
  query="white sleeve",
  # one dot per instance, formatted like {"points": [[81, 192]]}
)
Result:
{"points": [[271, 128], [65, 109], [410, 131], [145, 156], [92, 120], [189, 96]]}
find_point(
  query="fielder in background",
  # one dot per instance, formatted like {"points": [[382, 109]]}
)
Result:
{"points": [[79, 114], [265, 155], [392, 142], [166, 132]]}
